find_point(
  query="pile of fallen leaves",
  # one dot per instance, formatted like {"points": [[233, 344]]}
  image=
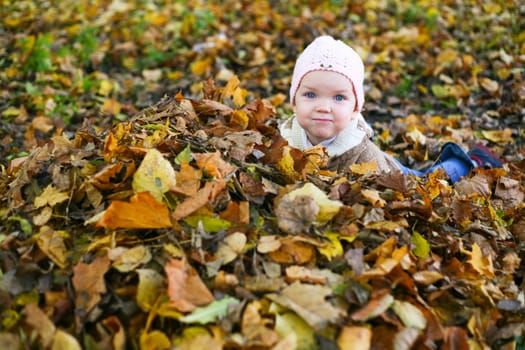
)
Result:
{"points": [[106, 60], [195, 225], [132, 220]]}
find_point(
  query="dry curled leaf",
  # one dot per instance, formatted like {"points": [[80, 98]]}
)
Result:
{"points": [[309, 302], [186, 289], [88, 282]]}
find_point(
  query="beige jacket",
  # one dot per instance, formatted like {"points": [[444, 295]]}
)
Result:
{"points": [[351, 146]]}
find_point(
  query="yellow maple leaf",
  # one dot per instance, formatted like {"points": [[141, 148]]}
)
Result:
{"points": [[286, 165], [239, 96], [239, 118], [333, 248], [50, 196], [373, 197], [51, 242], [498, 136], [229, 89], [111, 107], [364, 168], [480, 262], [154, 175], [105, 87], [317, 158], [201, 66]]}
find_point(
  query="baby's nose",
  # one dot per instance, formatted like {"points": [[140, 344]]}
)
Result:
{"points": [[324, 105]]}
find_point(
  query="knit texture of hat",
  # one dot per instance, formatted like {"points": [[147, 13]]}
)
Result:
{"points": [[327, 54]]}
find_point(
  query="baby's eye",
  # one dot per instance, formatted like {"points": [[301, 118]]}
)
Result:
{"points": [[339, 98], [309, 94]]}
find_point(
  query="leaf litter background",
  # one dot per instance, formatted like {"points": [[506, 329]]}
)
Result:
{"points": [[148, 201]]}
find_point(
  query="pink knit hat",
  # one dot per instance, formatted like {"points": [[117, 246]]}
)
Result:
{"points": [[326, 53]]}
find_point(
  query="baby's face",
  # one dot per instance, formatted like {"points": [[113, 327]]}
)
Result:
{"points": [[324, 104]]}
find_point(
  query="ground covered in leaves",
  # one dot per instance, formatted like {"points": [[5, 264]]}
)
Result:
{"points": [[148, 201]]}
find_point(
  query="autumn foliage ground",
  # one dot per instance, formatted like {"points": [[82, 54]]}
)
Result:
{"points": [[147, 200]]}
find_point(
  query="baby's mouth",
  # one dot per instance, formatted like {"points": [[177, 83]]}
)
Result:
{"points": [[322, 120]]}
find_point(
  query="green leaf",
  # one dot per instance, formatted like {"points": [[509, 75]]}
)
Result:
{"points": [[439, 91], [32, 89], [40, 59], [10, 318], [288, 323], [210, 313], [210, 224], [422, 248], [24, 224], [184, 155]]}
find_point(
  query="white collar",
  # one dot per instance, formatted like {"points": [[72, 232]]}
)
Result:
{"points": [[308, 144], [350, 137]]}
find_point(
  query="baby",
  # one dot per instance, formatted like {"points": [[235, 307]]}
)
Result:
{"points": [[327, 96]]}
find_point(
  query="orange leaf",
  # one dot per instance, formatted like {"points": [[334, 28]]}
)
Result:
{"points": [[230, 87], [375, 307], [239, 96], [112, 148], [254, 326], [88, 281], [306, 275], [291, 252], [111, 176], [373, 197], [40, 323], [237, 213], [213, 164], [142, 211], [239, 119], [200, 67], [286, 163], [42, 124], [188, 180], [455, 338], [111, 107], [435, 186], [316, 158], [115, 328], [364, 168], [481, 263], [201, 198], [186, 290], [385, 249], [355, 338]]}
